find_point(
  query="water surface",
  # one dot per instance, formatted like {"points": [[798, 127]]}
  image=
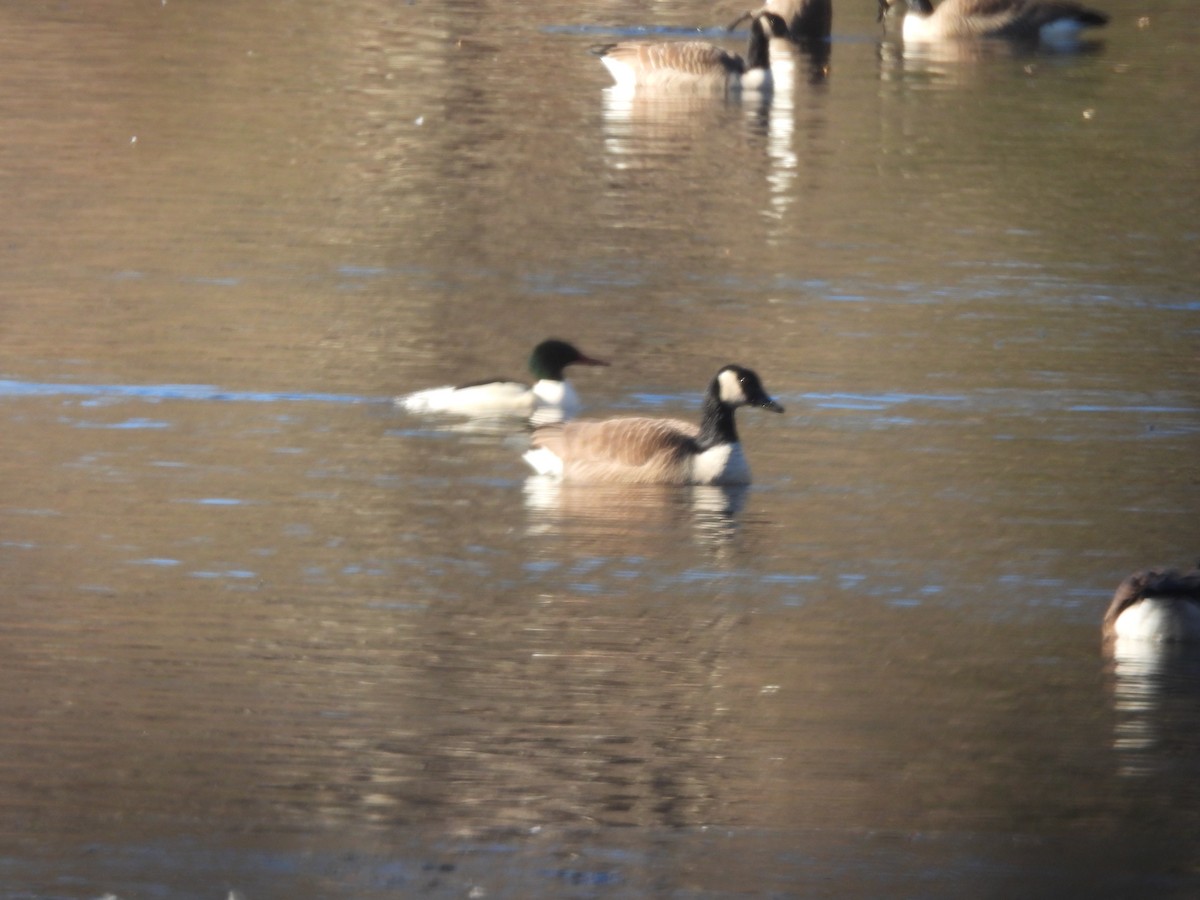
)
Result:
{"points": [[265, 634]]}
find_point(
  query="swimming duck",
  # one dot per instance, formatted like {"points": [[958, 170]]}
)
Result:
{"points": [[1156, 605], [636, 450], [696, 65], [1050, 21], [550, 399]]}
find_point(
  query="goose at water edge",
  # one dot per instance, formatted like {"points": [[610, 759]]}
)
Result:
{"points": [[1050, 21], [696, 65], [550, 399], [1155, 605], [634, 450]]}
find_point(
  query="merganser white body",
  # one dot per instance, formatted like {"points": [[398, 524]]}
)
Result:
{"points": [[549, 399]]}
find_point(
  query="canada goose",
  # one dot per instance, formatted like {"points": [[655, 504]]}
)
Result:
{"points": [[656, 451], [1156, 605], [696, 65], [551, 399], [807, 20], [1051, 21]]}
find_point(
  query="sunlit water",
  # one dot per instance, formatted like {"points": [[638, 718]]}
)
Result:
{"points": [[266, 635]]}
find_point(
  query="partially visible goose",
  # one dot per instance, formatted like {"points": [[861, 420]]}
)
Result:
{"points": [[1051, 21], [696, 65], [635, 450], [807, 20], [550, 399], [1156, 605]]}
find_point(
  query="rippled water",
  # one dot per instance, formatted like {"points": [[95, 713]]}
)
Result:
{"points": [[266, 635]]}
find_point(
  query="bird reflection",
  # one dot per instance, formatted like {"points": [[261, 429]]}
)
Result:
{"points": [[952, 60], [647, 130], [643, 123], [1156, 698], [790, 59], [618, 514], [948, 62]]}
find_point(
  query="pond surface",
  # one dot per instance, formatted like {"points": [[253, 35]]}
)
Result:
{"points": [[264, 635]]}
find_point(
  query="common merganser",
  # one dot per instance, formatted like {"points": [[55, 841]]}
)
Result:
{"points": [[550, 399]]}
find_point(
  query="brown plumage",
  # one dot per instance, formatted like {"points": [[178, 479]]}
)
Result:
{"points": [[1175, 596], [685, 59], [629, 450]]}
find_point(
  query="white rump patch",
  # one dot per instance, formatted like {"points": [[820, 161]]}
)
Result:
{"points": [[544, 462], [756, 80], [921, 28], [623, 74], [1159, 620]]}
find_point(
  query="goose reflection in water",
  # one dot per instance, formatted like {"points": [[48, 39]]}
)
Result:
{"points": [[1152, 642], [645, 132], [1156, 700], [640, 122], [620, 518]]}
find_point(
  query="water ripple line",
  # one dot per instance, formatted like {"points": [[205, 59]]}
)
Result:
{"points": [[157, 392]]}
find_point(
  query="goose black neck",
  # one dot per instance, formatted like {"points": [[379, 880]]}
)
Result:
{"points": [[716, 423], [758, 54]]}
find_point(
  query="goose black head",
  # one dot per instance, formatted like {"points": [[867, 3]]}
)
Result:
{"points": [[736, 386]]}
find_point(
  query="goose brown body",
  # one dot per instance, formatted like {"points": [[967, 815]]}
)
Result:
{"points": [[682, 63], [695, 65], [628, 450]]}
